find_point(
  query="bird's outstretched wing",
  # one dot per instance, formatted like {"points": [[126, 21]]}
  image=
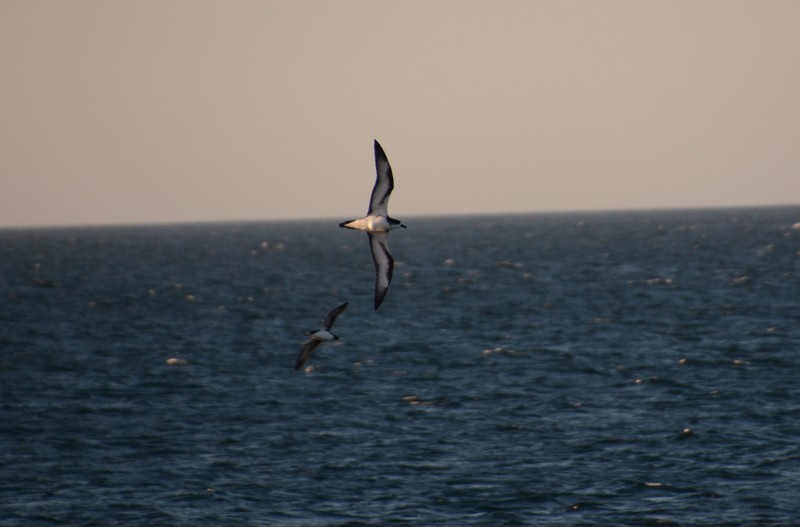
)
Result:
{"points": [[384, 264], [384, 184], [331, 317], [306, 352]]}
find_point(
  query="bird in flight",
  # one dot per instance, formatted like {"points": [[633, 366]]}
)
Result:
{"points": [[319, 336], [377, 224]]}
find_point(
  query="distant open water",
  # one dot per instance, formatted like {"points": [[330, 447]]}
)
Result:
{"points": [[625, 369]]}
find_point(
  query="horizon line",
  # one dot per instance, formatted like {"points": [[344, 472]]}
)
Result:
{"points": [[124, 224]]}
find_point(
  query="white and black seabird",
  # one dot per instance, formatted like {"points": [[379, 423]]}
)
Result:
{"points": [[377, 225], [319, 336]]}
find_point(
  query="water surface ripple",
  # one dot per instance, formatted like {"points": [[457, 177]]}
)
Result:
{"points": [[622, 369]]}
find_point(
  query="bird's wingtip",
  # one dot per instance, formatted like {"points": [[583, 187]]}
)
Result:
{"points": [[379, 296]]}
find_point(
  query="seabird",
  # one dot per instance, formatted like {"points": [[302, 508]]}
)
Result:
{"points": [[377, 225], [319, 336]]}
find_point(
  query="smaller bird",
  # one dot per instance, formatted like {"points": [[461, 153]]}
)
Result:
{"points": [[319, 336]]}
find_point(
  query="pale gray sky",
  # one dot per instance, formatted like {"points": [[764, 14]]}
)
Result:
{"points": [[174, 111]]}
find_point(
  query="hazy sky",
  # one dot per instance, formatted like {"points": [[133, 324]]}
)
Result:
{"points": [[135, 111]]}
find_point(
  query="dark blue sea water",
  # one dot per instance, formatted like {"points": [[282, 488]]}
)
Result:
{"points": [[624, 369]]}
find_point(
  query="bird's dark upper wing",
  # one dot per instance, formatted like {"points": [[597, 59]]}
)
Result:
{"points": [[384, 184], [384, 264], [331, 317], [306, 351]]}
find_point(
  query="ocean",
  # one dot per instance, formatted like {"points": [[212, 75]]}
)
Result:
{"points": [[586, 369]]}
